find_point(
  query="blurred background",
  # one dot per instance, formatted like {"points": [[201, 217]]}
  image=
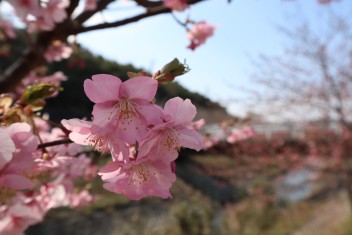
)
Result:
{"points": [[274, 86]]}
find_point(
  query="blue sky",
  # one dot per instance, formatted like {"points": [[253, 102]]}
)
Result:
{"points": [[221, 67]]}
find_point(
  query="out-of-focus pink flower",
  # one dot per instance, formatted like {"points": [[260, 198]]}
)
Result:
{"points": [[198, 124], [124, 106], [25, 7], [81, 199], [90, 5], [176, 5], [200, 32], [7, 28], [140, 178], [18, 214], [55, 10], [240, 134], [7, 148], [209, 140], [57, 51], [12, 173]]}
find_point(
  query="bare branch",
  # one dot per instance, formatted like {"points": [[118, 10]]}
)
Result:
{"points": [[54, 143], [161, 10], [84, 16], [149, 4]]}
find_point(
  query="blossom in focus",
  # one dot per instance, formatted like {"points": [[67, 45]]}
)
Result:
{"points": [[200, 32], [125, 105], [175, 131], [104, 141], [176, 5], [141, 178]]}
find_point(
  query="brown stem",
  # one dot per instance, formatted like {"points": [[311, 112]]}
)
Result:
{"points": [[54, 143]]}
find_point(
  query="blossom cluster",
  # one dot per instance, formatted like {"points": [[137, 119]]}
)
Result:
{"points": [[142, 138], [227, 132], [32, 180]]}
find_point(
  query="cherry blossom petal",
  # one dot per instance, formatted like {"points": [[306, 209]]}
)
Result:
{"points": [[15, 181], [190, 139], [143, 88], [7, 148], [148, 178], [182, 111], [102, 88]]}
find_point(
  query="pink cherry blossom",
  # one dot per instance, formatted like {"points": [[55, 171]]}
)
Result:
{"points": [[11, 174], [140, 178], [57, 51], [33, 78], [25, 7], [210, 140], [7, 29], [176, 5], [200, 32], [126, 106], [7, 148], [197, 125], [18, 214], [174, 132], [240, 134], [81, 199], [55, 10], [103, 140], [90, 5]]}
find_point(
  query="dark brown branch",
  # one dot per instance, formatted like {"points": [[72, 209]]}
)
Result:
{"points": [[54, 143], [84, 16], [161, 10], [149, 4]]}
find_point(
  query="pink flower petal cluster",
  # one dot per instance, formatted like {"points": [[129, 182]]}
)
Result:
{"points": [[7, 28], [18, 214], [90, 5], [40, 15], [24, 8], [176, 5], [142, 138], [33, 78], [57, 51], [17, 145], [24, 201], [240, 134], [200, 32]]}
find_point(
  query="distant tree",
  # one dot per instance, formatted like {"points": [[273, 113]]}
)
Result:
{"points": [[312, 80]]}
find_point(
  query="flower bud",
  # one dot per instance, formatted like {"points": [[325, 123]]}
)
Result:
{"points": [[170, 71]]}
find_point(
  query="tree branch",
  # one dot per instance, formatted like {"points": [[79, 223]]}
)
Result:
{"points": [[54, 143], [101, 5], [161, 10], [149, 4]]}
